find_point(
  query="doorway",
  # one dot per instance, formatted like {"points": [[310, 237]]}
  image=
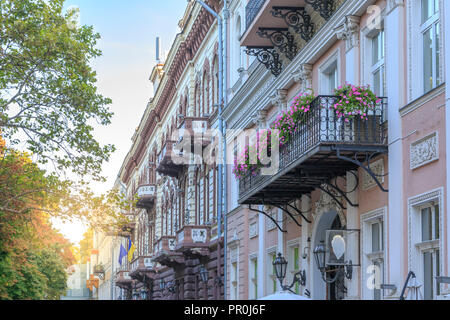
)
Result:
{"points": [[326, 291]]}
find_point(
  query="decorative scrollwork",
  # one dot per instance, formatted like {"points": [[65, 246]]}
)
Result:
{"points": [[324, 7], [366, 168], [298, 19], [282, 39], [268, 57]]}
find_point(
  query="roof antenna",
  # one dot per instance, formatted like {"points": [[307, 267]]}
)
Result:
{"points": [[158, 50]]}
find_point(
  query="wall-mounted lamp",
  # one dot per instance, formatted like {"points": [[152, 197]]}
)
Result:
{"points": [[280, 265], [320, 255]]}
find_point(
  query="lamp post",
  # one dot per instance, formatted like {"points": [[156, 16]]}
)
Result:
{"points": [[280, 265]]}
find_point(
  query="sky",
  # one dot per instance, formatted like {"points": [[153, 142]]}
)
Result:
{"points": [[128, 30]]}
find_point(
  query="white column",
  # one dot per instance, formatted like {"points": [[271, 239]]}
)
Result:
{"points": [[306, 233], [395, 64], [353, 246], [261, 255], [350, 33], [280, 236], [446, 26]]}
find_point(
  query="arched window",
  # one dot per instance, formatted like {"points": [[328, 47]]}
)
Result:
{"points": [[202, 200], [197, 197], [237, 52], [184, 205], [197, 101], [205, 91], [215, 93], [208, 197]]}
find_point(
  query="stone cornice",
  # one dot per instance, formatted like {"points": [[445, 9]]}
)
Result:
{"points": [[183, 50]]}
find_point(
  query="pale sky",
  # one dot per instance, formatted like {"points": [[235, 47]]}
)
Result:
{"points": [[128, 30]]}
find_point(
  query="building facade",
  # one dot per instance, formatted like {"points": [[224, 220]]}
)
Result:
{"points": [[357, 206], [175, 222], [372, 193]]}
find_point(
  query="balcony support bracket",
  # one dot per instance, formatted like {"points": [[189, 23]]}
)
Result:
{"points": [[368, 158], [324, 7], [268, 56], [297, 18], [282, 39], [342, 193], [268, 216], [339, 203]]}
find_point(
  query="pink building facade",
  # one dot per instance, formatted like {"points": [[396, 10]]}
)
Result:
{"points": [[373, 193]]}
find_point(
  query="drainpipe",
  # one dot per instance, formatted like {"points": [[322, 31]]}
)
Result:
{"points": [[226, 15], [222, 95]]}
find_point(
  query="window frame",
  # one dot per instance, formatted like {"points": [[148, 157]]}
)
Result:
{"points": [[432, 23], [418, 247]]}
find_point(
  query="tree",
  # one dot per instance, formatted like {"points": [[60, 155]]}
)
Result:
{"points": [[86, 246], [48, 97]]}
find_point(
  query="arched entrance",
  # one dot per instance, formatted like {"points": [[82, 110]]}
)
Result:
{"points": [[329, 220]]}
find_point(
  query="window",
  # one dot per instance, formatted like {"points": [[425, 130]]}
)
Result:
{"points": [[331, 79], [377, 65], [372, 225], [376, 258], [272, 278], [293, 265], [234, 281], [429, 216], [425, 230], [430, 44], [329, 75]]}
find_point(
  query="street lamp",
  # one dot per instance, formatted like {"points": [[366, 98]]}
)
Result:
{"points": [[280, 265], [320, 256]]}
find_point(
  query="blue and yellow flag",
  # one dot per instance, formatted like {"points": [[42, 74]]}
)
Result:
{"points": [[131, 250]]}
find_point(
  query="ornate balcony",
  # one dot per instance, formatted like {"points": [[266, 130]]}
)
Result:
{"points": [[324, 147], [271, 24], [123, 279], [195, 129], [166, 165], [165, 253], [194, 240], [142, 268], [147, 196]]}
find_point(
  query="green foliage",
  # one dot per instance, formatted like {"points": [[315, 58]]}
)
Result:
{"points": [[47, 87]]}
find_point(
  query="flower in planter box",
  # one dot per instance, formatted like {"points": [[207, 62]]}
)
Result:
{"points": [[252, 159], [289, 120], [354, 102]]}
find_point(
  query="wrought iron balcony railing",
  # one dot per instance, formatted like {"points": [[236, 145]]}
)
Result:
{"points": [[251, 11], [322, 130]]}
